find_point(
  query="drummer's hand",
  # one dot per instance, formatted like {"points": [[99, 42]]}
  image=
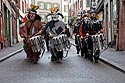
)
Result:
{"points": [[28, 40], [64, 30], [74, 33], [87, 34], [50, 36], [81, 37], [29, 36], [77, 35], [40, 32]]}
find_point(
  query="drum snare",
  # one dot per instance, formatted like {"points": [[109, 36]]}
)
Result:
{"points": [[37, 43], [61, 42]]}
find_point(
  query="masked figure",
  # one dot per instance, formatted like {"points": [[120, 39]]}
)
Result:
{"points": [[83, 34], [54, 28], [32, 27], [76, 31], [94, 26]]}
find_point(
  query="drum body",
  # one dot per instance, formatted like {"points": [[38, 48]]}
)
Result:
{"points": [[60, 43], [37, 43], [98, 43]]}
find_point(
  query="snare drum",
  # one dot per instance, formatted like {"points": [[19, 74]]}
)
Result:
{"points": [[37, 43], [61, 42], [98, 42]]}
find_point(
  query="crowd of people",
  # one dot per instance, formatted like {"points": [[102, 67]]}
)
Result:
{"points": [[85, 26]]}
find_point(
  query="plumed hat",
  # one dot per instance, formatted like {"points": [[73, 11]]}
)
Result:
{"points": [[54, 10], [33, 8]]}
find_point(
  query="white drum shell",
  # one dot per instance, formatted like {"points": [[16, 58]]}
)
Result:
{"points": [[37, 43]]}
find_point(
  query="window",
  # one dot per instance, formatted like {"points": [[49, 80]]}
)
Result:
{"points": [[55, 5], [42, 16], [33, 1], [65, 8], [41, 5], [23, 6], [0, 5], [88, 3], [48, 6], [65, 19]]}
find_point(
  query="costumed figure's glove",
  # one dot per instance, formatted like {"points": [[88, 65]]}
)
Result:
{"points": [[87, 34]]}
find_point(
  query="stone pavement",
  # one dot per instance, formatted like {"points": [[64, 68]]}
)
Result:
{"points": [[114, 58], [10, 51], [110, 56]]}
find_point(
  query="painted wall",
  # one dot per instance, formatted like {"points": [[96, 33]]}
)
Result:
{"points": [[121, 40]]}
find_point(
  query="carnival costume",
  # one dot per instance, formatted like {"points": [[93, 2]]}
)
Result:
{"points": [[95, 37], [76, 31], [32, 34], [57, 42]]}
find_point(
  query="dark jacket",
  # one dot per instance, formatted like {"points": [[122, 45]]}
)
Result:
{"points": [[55, 27]]}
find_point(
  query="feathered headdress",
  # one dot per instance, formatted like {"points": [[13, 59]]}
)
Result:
{"points": [[33, 8], [53, 11]]}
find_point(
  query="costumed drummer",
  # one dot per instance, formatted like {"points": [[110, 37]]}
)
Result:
{"points": [[76, 31], [94, 26], [83, 34], [53, 28], [33, 27]]}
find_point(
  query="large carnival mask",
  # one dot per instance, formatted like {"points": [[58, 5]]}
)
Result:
{"points": [[55, 17], [32, 11], [86, 19], [32, 15], [79, 16], [85, 13]]}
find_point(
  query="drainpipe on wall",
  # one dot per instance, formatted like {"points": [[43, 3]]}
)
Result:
{"points": [[117, 35]]}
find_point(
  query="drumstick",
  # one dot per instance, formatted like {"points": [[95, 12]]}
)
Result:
{"points": [[61, 32]]}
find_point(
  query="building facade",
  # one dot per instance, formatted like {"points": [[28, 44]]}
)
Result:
{"points": [[74, 7], [44, 7], [65, 8], [113, 16], [23, 7], [81, 5], [8, 22], [120, 45], [110, 16]]}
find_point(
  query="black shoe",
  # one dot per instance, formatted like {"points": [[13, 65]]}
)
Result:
{"points": [[82, 55], [91, 59], [85, 57], [58, 61], [77, 52], [96, 61], [34, 62], [61, 57], [52, 59], [47, 50]]}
